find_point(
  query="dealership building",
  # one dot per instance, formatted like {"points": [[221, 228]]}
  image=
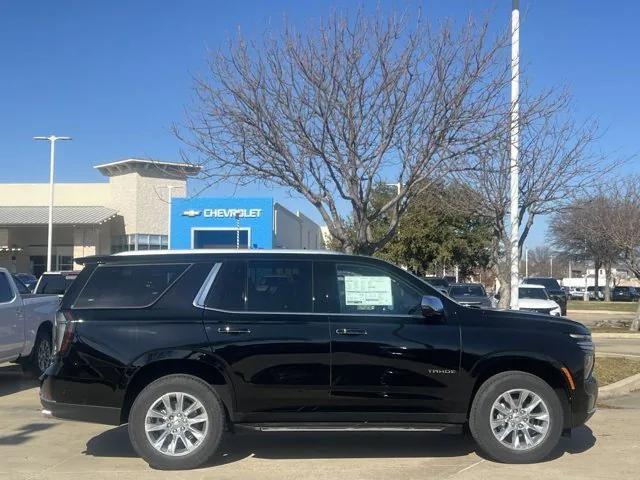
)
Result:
{"points": [[143, 205]]}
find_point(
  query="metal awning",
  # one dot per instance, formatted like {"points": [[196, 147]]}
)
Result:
{"points": [[89, 215]]}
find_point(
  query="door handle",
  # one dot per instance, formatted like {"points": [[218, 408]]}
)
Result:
{"points": [[351, 331], [234, 331]]}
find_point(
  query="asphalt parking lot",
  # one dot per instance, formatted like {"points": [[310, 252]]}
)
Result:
{"points": [[34, 448]]}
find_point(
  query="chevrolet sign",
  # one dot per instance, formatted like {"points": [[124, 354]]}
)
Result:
{"points": [[232, 212], [191, 213]]}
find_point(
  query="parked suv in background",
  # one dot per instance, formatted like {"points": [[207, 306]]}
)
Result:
{"points": [[470, 295], [55, 283], [625, 294], [184, 345], [555, 291], [28, 280]]}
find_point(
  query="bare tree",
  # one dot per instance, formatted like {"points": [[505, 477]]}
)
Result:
{"points": [[555, 163], [541, 259], [581, 230], [352, 103], [622, 225]]}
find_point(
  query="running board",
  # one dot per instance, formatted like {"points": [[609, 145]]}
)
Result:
{"points": [[351, 427]]}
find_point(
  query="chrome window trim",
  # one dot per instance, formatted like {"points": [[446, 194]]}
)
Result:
{"points": [[201, 296], [325, 314]]}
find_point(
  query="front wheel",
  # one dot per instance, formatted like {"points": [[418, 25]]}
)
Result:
{"points": [[516, 417], [176, 422]]}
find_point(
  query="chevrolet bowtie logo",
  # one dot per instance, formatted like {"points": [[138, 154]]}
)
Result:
{"points": [[191, 213]]}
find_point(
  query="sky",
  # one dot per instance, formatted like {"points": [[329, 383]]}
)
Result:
{"points": [[115, 75]]}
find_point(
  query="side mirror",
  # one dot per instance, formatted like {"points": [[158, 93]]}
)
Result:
{"points": [[432, 307]]}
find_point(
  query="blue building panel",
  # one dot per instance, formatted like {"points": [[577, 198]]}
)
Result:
{"points": [[220, 222]]}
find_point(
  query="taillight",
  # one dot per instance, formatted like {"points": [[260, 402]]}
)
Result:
{"points": [[62, 332]]}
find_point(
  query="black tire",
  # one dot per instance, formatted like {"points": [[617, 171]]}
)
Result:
{"points": [[40, 356], [189, 385], [480, 415]]}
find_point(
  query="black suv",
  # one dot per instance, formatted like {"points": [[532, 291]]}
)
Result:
{"points": [[555, 291], [183, 346]]}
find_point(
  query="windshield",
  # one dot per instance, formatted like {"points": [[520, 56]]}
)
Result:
{"points": [[548, 283], [467, 291], [536, 293]]}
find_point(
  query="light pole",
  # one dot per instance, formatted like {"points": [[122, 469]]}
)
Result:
{"points": [[526, 262], [515, 132], [52, 140]]}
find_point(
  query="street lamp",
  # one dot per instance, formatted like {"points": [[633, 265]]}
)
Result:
{"points": [[515, 132], [52, 140]]}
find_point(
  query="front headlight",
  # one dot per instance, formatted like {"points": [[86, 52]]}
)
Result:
{"points": [[589, 362], [587, 346]]}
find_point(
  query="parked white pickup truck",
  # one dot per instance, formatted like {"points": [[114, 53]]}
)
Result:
{"points": [[26, 322]]}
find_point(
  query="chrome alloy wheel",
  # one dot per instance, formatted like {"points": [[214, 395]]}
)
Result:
{"points": [[176, 424], [520, 419]]}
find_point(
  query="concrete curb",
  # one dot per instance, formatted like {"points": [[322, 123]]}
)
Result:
{"points": [[620, 388], [595, 311], [615, 335]]}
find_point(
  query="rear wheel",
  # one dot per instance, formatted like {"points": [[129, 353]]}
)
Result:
{"points": [[40, 357], [516, 417], [176, 422]]}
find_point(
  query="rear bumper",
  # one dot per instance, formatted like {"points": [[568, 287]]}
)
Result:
{"points": [[52, 395], [81, 413]]}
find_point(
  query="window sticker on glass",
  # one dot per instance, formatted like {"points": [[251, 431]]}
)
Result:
{"points": [[368, 291]]}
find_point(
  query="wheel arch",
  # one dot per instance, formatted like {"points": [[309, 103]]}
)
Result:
{"points": [[154, 370], [546, 368], [45, 326]]}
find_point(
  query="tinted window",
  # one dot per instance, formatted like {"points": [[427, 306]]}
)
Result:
{"points": [[22, 288], [279, 286], [6, 294], [536, 293], [369, 290], [55, 283], [127, 286], [548, 283], [467, 291], [228, 291]]}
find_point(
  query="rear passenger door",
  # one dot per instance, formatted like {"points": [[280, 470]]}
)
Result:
{"points": [[389, 363], [261, 324]]}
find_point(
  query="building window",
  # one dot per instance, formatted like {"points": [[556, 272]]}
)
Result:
{"points": [[139, 241]]}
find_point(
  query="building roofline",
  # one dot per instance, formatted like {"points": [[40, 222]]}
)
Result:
{"points": [[179, 168]]}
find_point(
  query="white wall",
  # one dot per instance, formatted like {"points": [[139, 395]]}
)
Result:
{"points": [[65, 194], [295, 230]]}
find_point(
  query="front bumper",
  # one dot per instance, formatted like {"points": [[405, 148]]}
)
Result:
{"points": [[583, 405]]}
